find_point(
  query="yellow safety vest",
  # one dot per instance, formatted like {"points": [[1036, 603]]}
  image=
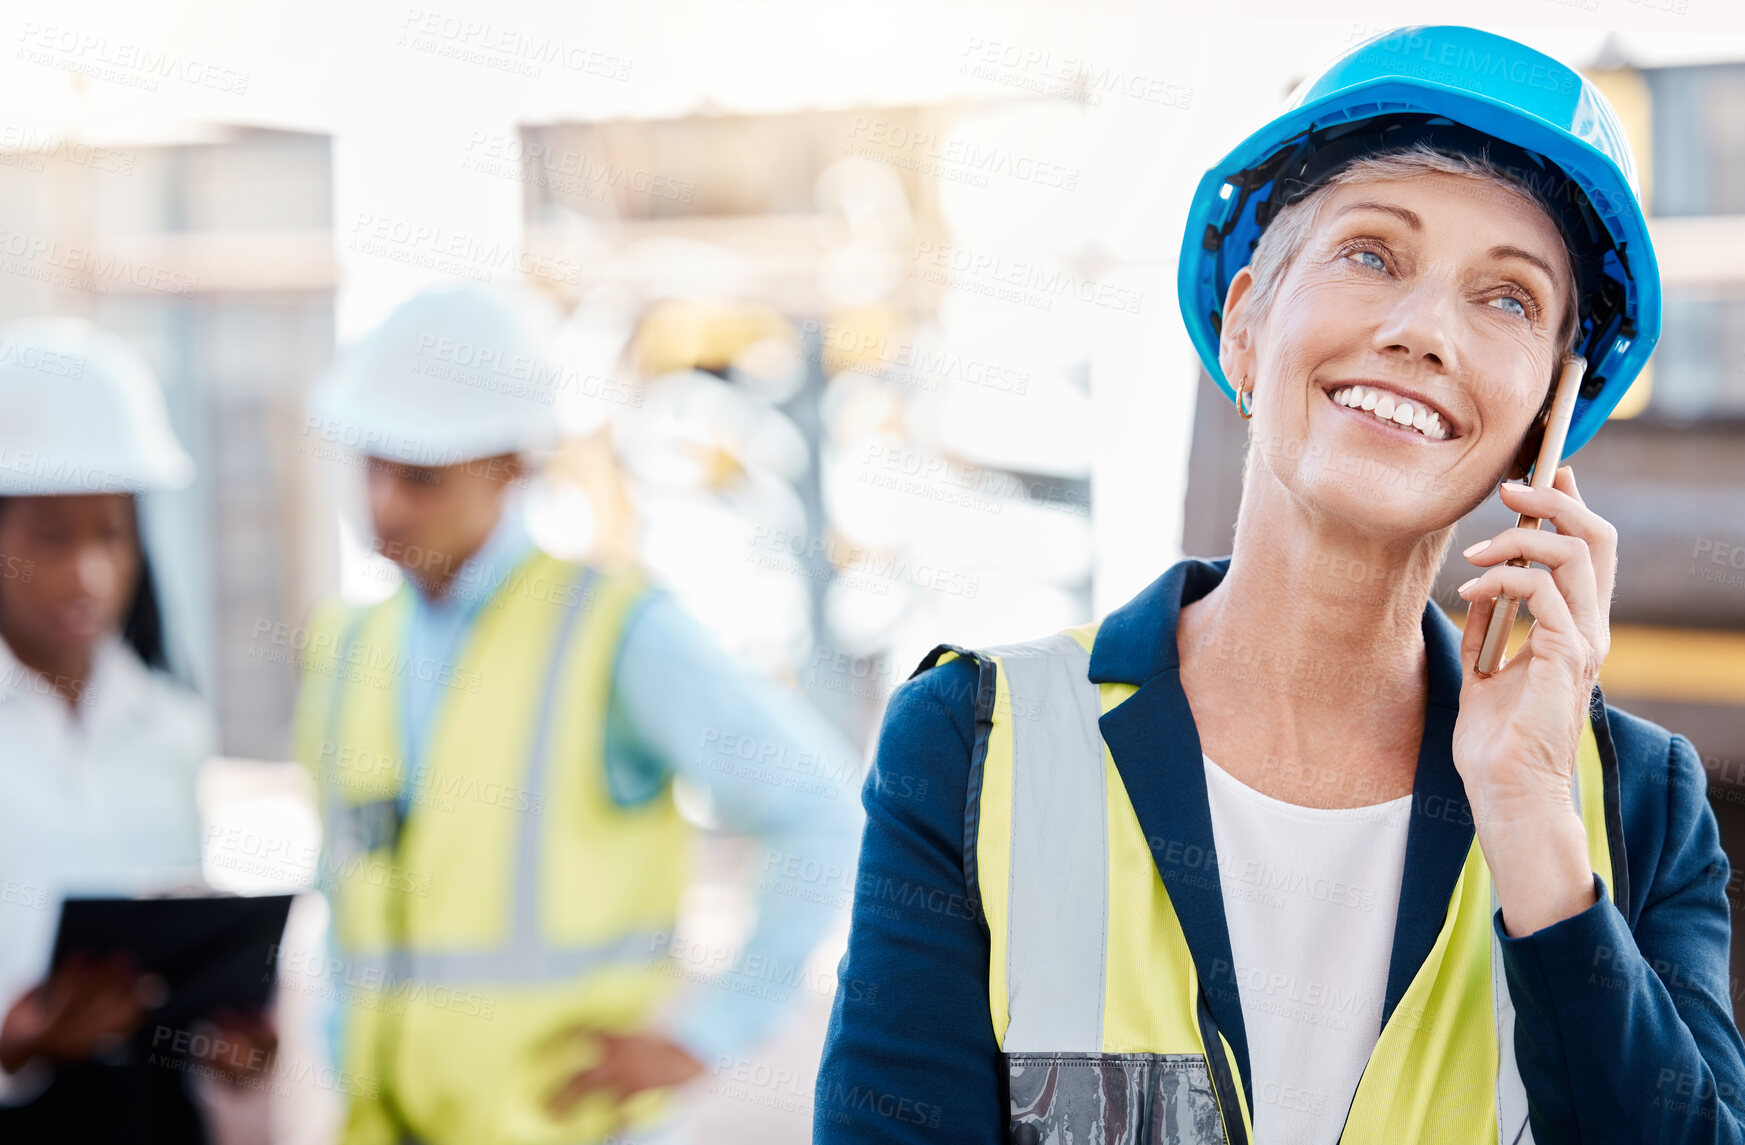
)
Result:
{"points": [[518, 902], [1095, 999]]}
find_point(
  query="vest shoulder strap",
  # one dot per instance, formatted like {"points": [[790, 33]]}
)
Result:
{"points": [[978, 754], [1043, 685], [317, 648]]}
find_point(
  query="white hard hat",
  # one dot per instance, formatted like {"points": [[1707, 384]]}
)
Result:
{"points": [[455, 373], [81, 412]]}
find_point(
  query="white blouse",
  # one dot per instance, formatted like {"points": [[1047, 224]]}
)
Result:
{"points": [[97, 799], [1310, 896]]}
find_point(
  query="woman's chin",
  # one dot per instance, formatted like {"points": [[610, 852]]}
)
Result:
{"points": [[1390, 503]]}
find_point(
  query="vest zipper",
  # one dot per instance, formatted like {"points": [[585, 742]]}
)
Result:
{"points": [[1223, 1078], [388, 1034], [1613, 790]]}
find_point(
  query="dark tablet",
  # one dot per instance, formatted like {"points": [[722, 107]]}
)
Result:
{"points": [[213, 952]]}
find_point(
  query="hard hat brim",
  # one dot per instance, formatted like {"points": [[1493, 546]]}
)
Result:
{"points": [[169, 473]]}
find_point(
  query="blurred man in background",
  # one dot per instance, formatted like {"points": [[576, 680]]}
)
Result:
{"points": [[496, 745]]}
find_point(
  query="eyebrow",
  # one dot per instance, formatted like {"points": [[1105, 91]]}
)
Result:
{"points": [[1410, 218], [1525, 256]]}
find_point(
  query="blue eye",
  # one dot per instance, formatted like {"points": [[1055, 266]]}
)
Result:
{"points": [[1378, 264], [1513, 306]]}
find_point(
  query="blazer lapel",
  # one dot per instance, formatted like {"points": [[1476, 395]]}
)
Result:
{"points": [[1156, 749], [1441, 828]]}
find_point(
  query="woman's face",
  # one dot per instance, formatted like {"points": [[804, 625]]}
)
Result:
{"points": [[70, 565], [1443, 291]]}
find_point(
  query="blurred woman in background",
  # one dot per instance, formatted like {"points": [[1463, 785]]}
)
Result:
{"points": [[100, 747]]}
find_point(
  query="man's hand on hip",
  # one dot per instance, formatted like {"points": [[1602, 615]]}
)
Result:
{"points": [[629, 1064]]}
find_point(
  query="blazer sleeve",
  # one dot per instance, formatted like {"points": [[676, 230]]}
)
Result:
{"points": [[910, 1055], [1626, 1034]]}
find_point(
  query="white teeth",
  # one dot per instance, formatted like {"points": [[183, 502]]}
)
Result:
{"points": [[1400, 412]]}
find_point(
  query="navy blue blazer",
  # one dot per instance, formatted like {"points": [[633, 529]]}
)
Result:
{"points": [[1624, 1023]]}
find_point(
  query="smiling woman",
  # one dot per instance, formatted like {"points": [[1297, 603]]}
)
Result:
{"points": [[1431, 292], [1261, 858]]}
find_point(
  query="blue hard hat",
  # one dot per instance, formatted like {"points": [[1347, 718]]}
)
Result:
{"points": [[1461, 90]]}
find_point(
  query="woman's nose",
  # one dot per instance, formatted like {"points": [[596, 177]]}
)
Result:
{"points": [[95, 571], [1419, 327]]}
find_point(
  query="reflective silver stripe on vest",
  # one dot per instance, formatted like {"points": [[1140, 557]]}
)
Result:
{"points": [[529, 872], [1058, 898], [525, 958]]}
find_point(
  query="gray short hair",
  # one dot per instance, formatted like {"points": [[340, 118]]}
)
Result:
{"points": [[1282, 241]]}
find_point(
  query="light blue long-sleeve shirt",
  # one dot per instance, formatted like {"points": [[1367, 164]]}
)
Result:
{"points": [[773, 767]]}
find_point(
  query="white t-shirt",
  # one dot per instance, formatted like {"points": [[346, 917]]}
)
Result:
{"points": [[1310, 896]]}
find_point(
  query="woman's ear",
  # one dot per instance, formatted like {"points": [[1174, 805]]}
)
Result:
{"points": [[1236, 337]]}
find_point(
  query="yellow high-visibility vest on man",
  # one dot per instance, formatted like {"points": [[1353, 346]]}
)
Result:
{"points": [[494, 744]]}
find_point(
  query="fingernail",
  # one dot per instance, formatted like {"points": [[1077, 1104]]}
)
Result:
{"points": [[1467, 585], [1474, 550], [1518, 486]]}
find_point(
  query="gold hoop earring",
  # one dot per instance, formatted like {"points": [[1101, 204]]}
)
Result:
{"points": [[1245, 401]]}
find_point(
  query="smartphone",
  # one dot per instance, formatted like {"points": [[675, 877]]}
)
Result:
{"points": [[1550, 456]]}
